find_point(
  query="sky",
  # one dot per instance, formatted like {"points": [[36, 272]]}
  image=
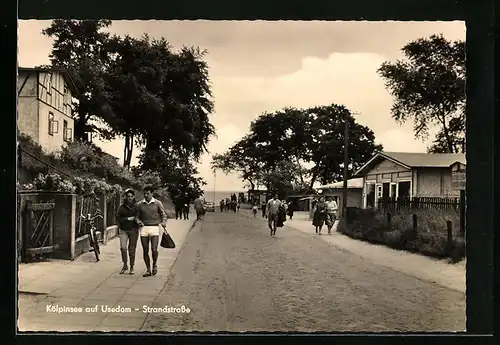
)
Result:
{"points": [[263, 66]]}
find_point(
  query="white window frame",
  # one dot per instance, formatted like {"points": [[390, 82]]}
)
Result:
{"points": [[391, 186], [49, 83], [365, 194], [53, 124]]}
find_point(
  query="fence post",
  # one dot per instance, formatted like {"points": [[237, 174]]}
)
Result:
{"points": [[415, 224], [389, 220], [462, 212], [449, 230]]}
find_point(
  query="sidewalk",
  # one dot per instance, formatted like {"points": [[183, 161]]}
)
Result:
{"points": [[85, 283], [451, 276]]}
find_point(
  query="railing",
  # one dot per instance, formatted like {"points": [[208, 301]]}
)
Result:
{"points": [[420, 203], [111, 207]]}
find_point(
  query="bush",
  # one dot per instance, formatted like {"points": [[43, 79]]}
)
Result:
{"points": [[86, 187], [84, 156], [77, 158], [431, 238]]}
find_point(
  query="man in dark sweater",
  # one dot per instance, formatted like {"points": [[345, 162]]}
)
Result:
{"points": [[153, 221], [126, 216]]}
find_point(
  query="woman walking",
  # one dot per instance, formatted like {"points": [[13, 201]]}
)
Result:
{"points": [[319, 216], [128, 225], [331, 213]]}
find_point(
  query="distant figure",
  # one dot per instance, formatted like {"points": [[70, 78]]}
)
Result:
{"points": [[290, 210], [264, 206], [221, 205], [185, 211], [273, 207], [319, 216], [238, 207], [178, 206], [255, 209], [198, 207], [331, 213]]}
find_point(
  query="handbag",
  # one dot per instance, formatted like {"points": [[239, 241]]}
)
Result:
{"points": [[167, 241]]}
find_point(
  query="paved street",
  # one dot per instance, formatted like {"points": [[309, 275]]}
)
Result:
{"points": [[234, 277]]}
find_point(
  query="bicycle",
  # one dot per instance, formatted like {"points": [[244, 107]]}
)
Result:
{"points": [[92, 233]]}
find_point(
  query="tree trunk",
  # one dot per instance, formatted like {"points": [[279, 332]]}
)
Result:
{"points": [[125, 150], [313, 180], [130, 150], [252, 185], [80, 126], [446, 132]]}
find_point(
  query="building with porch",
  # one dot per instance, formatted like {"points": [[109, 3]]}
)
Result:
{"points": [[354, 191], [408, 175], [44, 106]]}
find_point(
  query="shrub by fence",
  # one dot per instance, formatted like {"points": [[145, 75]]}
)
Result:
{"points": [[431, 231]]}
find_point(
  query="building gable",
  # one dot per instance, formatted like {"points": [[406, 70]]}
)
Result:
{"points": [[387, 166]]}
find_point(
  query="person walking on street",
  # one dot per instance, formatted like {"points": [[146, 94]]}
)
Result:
{"points": [[255, 209], [290, 210], [128, 227], [221, 205], [264, 206], [273, 207], [153, 221], [185, 206], [319, 216], [331, 213], [198, 206]]}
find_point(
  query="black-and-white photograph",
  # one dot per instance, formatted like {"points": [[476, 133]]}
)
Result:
{"points": [[241, 176]]}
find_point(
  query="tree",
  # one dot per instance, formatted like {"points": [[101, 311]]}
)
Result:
{"points": [[159, 98], [78, 48], [429, 88], [177, 173], [298, 137], [243, 158], [325, 144]]}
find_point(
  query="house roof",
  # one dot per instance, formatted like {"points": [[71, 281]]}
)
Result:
{"points": [[415, 160], [351, 183], [67, 77]]}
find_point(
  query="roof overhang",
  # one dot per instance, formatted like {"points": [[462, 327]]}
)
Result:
{"points": [[361, 171], [67, 77]]}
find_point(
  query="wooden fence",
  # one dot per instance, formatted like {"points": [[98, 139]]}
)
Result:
{"points": [[420, 203]]}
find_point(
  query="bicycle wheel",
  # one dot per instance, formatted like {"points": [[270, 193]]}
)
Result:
{"points": [[95, 245]]}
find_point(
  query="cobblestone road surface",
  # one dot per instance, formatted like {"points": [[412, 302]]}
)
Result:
{"points": [[234, 277]]}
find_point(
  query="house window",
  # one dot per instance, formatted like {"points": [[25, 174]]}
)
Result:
{"points": [[49, 83], [404, 188], [53, 124], [393, 193], [385, 190], [370, 195]]}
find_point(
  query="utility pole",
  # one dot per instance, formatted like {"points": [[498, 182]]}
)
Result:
{"points": [[215, 176], [346, 163]]}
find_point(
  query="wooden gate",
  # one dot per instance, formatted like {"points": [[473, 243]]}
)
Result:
{"points": [[38, 229]]}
